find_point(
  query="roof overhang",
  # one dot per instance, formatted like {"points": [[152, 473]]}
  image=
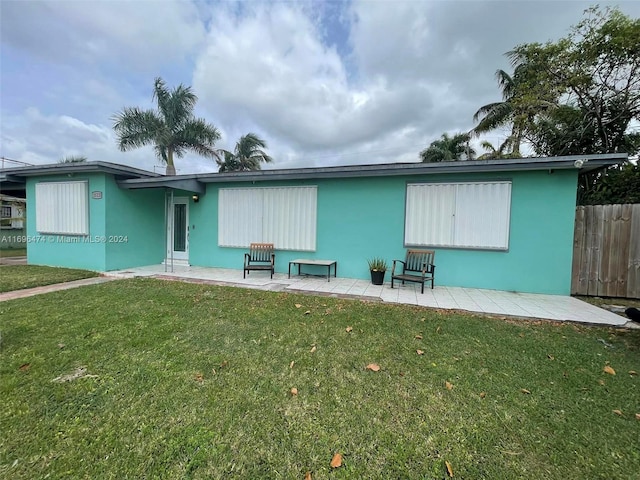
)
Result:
{"points": [[174, 182]]}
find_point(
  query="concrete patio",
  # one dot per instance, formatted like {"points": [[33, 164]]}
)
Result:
{"points": [[494, 302]]}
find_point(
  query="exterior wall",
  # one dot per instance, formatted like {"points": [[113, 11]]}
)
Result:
{"points": [[70, 251], [125, 229], [359, 218], [134, 226]]}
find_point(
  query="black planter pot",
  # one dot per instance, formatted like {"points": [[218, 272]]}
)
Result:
{"points": [[377, 277]]}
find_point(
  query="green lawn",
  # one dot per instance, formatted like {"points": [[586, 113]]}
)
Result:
{"points": [[13, 252], [18, 277], [194, 381]]}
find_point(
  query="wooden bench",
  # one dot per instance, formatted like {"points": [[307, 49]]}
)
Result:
{"points": [[417, 267], [260, 257]]}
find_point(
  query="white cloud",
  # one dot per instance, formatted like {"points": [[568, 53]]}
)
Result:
{"points": [[140, 34]]}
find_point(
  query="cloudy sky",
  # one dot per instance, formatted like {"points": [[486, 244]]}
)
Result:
{"points": [[323, 82]]}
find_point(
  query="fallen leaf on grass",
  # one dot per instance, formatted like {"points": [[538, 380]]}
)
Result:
{"points": [[61, 346], [291, 364], [418, 337], [298, 305], [199, 377], [637, 416], [294, 391], [601, 382], [609, 370], [224, 364], [483, 394], [448, 385], [449, 468], [24, 367], [618, 412], [307, 312], [374, 367], [307, 476], [438, 330], [633, 373], [336, 461], [313, 349], [348, 329], [419, 352], [525, 391], [550, 357]]}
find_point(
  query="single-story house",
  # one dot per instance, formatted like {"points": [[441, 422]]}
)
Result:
{"points": [[496, 224]]}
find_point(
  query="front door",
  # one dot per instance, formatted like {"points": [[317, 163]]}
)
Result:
{"points": [[178, 232]]}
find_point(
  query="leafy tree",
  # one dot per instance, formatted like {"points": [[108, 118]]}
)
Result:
{"points": [[449, 149], [246, 156], [594, 73], [73, 159], [172, 128], [617, 184]]}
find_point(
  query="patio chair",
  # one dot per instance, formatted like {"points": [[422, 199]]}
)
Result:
{"points": [[260, 257], [417, 267]]}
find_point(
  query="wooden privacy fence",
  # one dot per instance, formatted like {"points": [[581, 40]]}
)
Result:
{"points": [[606, 251]]}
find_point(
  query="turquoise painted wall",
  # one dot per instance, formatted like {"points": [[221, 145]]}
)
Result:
{"points": [[125, 229], [360, 218], [134, 226], [68, 250]]}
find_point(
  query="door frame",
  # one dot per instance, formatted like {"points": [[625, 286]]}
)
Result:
{"points": [[171, 253]]}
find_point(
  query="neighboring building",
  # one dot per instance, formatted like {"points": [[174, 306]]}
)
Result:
{"points": [[12, 222], [497, 224]]}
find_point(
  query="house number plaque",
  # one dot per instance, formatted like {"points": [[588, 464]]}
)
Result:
{"points": [[96, 195]]}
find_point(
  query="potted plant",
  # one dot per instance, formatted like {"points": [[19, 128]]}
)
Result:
{"points": [[377, 267]]}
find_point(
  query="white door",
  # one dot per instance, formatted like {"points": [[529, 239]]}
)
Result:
{"points": [[178, 230]]}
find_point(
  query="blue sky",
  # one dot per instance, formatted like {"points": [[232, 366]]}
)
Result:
{"points": [[324, 83]]}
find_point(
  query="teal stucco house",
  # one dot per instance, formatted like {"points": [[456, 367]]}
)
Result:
{"points": [[495, 224]]}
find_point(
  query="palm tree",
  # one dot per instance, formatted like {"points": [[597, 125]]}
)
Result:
{"points": [[448, 149], [498, 114], [246, 156], [73, 159], [172, 128], [492, 153]]}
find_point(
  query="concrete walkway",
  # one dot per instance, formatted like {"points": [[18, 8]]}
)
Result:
{"points": [[493, 302], [30, 292], [13, 260]]}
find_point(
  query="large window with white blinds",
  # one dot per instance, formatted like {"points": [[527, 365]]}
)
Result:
{"points": [[62, 208], [284, 216], [463, 215]]}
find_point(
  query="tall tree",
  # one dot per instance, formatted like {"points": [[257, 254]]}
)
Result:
{"points": [[595, 74], [172, 128], [518, 108], [246, 156], [448, 148]]}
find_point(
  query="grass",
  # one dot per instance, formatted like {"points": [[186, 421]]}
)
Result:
{"points": [[18, 277], [194, 381], [13, 252]]}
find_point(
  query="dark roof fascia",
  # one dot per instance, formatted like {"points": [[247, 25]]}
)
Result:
{"points": [[585, 162], [588, 162], [122, 171]]}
